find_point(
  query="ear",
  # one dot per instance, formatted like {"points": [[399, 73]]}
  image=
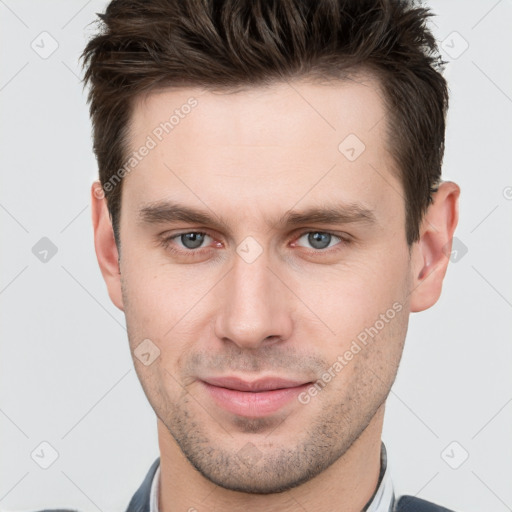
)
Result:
{"points": [[105, 245], [430, 254]]}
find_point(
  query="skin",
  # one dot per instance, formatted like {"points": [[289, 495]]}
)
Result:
{"points": [[249, 157]]}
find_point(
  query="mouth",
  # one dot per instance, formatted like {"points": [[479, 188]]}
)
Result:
{"points": [[255, 398]]}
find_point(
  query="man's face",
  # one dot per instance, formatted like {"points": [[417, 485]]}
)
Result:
{"points": [[257, 297]]}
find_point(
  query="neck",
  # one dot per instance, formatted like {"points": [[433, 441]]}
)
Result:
{"points": [[349, 482]]}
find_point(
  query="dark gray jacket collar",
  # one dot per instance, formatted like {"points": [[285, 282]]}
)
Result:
{"points": [[140, 500]]}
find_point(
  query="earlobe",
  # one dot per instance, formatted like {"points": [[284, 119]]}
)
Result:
{"points": [[105, 246], [431, 252]]}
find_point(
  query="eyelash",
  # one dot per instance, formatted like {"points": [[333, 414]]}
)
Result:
{"points": [[167, 243]]}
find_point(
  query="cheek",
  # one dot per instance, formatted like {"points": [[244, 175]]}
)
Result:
{"points": [[160, 294], [366, 296], [168, 305]]}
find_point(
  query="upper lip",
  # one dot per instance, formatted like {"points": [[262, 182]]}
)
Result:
{"points": [[266, 384]]}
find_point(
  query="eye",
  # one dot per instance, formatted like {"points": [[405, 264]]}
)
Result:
{"points": [[320, 240], [186, 242]]}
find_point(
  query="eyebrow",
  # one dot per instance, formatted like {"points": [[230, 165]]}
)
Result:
{"points": [[161, 212]]}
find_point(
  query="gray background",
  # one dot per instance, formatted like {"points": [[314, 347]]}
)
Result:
{"points": [[66, 376]]}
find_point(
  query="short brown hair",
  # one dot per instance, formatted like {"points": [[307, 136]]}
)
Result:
{"points": [[220, 44]]}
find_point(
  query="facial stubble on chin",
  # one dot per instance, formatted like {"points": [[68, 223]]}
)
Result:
{"points": [[269, 468]]}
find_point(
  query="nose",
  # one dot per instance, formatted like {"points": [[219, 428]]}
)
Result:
{"points": [[255, 307]]}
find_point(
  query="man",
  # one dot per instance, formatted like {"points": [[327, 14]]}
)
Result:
{"points": [[269, 211]]}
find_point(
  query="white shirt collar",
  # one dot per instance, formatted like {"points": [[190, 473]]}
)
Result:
{"points": [[383, 499], [155, 486]]}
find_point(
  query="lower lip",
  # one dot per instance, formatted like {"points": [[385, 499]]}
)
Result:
{"points": [[253, 404]]}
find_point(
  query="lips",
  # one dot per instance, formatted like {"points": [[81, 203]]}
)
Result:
{"points": [[255, 398], [267, 384]]}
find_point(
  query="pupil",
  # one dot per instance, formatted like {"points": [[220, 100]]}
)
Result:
{"points": [[319, 240], [192, 240]]}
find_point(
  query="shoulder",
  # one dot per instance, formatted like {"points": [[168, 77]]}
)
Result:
{"points": [[413, 504]]}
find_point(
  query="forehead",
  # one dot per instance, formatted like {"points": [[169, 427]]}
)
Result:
{"points": [[273, 145], [279, 115]]}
